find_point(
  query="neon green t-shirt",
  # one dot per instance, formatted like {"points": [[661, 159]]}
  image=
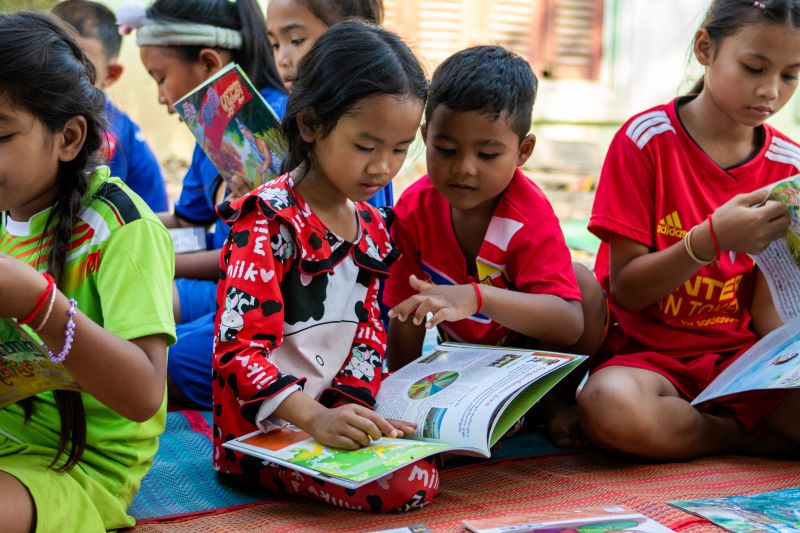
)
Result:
{"points": [[119, 268]]}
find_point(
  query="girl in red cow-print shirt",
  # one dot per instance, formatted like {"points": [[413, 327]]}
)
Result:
{"points": [[299, 338]]}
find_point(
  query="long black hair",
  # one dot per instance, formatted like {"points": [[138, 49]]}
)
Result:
{"points": [[44, 72], [349, 62], [332, 11], [726, 17], [255, 55]]}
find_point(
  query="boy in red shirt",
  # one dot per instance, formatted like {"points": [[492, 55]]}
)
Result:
{"points": [[482, 250]]}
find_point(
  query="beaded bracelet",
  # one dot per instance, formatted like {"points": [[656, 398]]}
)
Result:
{"points": [[41, 300], [69, 334], [687, 243], [478, 296]]}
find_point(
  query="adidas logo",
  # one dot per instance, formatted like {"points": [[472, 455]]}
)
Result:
{"points": [[671, 226]]}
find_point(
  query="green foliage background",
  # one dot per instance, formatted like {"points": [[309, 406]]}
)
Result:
{"points": [[14, 5]]}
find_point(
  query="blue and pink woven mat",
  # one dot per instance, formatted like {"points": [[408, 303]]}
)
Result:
{"points": [[182, 483]]}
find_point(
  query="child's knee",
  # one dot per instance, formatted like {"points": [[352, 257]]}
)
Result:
{"points": [[411, 487], [611, 414]]}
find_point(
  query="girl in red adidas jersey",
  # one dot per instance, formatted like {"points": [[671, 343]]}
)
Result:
{"points": [[299, 338], [679, 206]]}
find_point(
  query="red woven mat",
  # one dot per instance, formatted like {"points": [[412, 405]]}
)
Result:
{"points": [[555, 482]]}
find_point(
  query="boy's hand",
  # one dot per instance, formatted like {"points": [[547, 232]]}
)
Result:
{"points": [[447, 303], [749, 222], [351, 426]]}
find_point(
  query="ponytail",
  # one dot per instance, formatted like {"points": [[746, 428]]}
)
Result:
{"points": [[43, 71]]}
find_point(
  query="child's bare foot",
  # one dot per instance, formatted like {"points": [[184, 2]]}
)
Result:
{"points": [[563, 426]]}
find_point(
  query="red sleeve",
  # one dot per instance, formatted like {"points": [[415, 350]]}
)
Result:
{"points": [[538, 259], [625, 199], [249, 322], [360, 377]]}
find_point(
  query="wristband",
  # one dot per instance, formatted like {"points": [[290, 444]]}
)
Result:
{"points": [[40, 300], [687, 243], [478, 296], [717, 251]]}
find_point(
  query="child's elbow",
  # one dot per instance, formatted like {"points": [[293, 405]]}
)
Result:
{"points": [[146, 406], [622, 299], [572, 326]]}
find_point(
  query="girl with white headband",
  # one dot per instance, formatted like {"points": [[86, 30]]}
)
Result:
{"points": [[182, 44]]}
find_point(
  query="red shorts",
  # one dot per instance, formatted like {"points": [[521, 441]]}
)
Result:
{"points": [[690, 375]]}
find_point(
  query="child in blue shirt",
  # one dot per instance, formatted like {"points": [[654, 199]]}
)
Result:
{"points": [[181, 45], [125, 148]]}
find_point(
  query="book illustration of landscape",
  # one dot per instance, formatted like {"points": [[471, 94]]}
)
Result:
{"points": [[788, 193], [235, 126], [297, 449], [593, 520], [465, 410], [769, 512], [25, 368]]}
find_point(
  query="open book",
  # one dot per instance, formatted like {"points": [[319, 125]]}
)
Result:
{"points": [[25, 368], [188, 239], [462, 398], [235, 126], [774, 361]]}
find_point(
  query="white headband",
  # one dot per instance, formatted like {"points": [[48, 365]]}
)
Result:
{"points": [[187, 34], [155, 33]]}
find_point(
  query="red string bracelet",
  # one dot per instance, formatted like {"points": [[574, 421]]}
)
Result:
{"points": [[41, 300], [478, 296], [717, 251]]}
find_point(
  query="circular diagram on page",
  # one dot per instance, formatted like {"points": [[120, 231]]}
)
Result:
{"points": [[430, 385]]}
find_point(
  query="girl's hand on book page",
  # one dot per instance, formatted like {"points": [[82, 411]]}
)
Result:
{"points": [[20, 285], [444, 302], [749, 222], [405, 428], [349, 426]]}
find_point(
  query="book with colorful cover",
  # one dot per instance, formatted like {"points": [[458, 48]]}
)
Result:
{"points": [[769, 512], [25, 367], [235, 126], [463, 398], [608, 519]]}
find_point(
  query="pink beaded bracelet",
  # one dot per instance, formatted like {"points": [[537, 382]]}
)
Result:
{"points": [[69, 334]]}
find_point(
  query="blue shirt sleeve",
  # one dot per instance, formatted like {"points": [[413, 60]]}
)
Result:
{"points": [[133, 161], [383, 198], [196, 202], [276, 100]]}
